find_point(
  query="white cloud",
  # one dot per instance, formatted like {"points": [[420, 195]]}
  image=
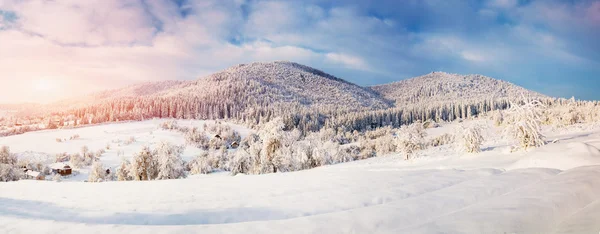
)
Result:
{"points": [[473, 56], [349, 61]]}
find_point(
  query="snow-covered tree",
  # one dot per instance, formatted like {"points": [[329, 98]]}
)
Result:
{"points": [[523, 124], [242, 162], [97, 172], [471, 139], [6, 157], [170, 164], [8, 172], [142, 165]]}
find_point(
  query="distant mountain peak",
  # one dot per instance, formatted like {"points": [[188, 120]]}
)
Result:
{"points": [[448, 87]]}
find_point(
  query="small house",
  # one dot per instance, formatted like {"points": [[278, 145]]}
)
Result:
{"points": [[217, 136], [234, 145], [34, 175], [61, 168]]}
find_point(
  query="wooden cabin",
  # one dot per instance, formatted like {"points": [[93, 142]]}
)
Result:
{"points": [[234, 145], [61, 168]]}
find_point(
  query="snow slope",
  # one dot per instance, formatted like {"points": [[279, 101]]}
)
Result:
{"points": [[441, 191]]}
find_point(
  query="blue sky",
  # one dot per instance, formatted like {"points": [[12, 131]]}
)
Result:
{"points": [[70, 47]]}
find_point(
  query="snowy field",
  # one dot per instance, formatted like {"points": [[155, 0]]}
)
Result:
{"points": [[44, 146], [552, 189]]}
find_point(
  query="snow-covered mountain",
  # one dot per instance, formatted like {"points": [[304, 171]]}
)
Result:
{"points": [[444, 87], [281, 82]]}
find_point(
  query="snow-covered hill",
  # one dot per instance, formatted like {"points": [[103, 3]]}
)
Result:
{"points": [[280, 82], [446, 87]]}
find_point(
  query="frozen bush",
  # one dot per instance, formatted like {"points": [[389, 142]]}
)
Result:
{"points": [[8, 172], [443, 139], [385, 145], [123, 173], [523, 125], [169, 125], [202, 164], [197, 138], [129, 141], [242, 162], [170, 164], [410, 139], [76, 161], [97, 172], [471, 139], [61, 157]]}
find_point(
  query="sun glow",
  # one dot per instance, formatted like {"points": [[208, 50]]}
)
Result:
{"points": [[44, 85]]}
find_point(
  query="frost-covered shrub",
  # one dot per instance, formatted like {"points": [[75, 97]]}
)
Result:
{"points": [[225, 132], [169, 125], [216, 143], [197, 138], [242, 162], [353, 151], [385, 145], [97, 172], [523, 125], [170, 164], [410, 139], [61, 157], [202, 164], [129, 141], [471, 139], [143, 165], [76, 161], [123, 173], [443, 139], [6, 157], [368, 149], [8, 172], [379, 132]]}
